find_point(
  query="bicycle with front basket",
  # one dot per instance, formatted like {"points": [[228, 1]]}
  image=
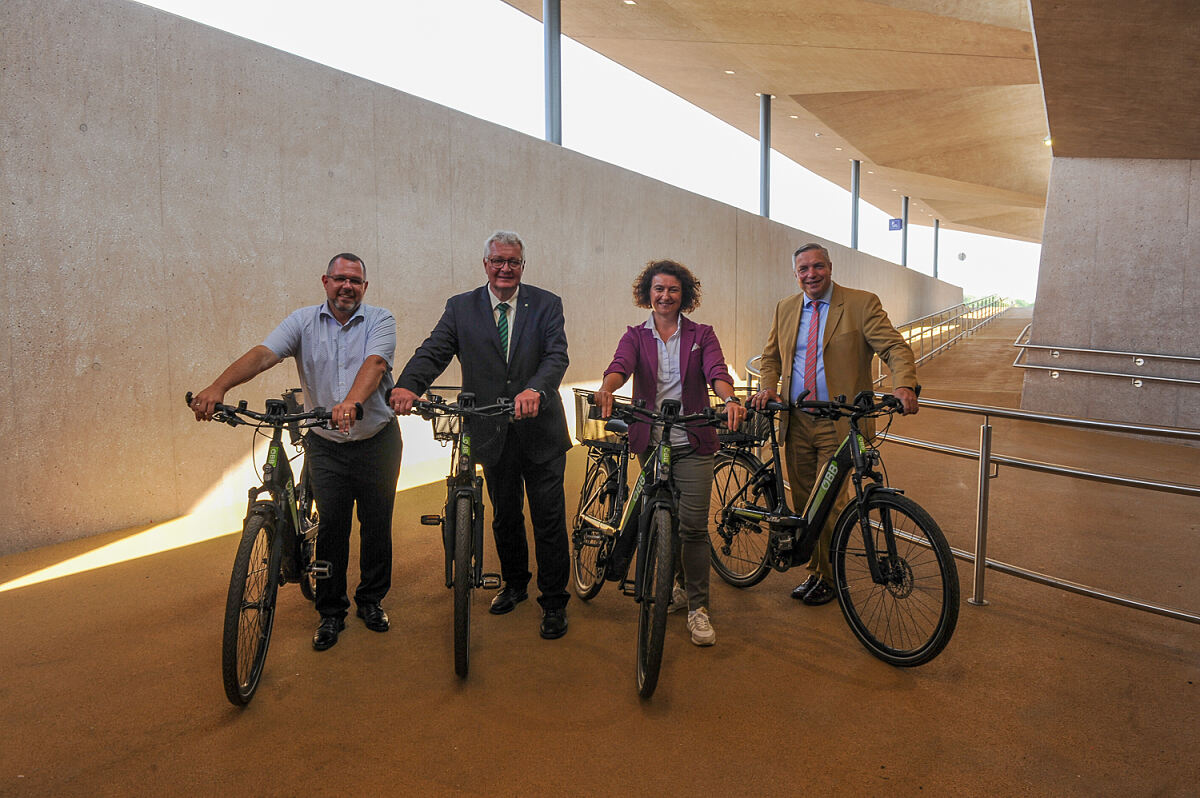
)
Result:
{"points": [[278, 542], [462, 518], [894, 573], [615, 524]]}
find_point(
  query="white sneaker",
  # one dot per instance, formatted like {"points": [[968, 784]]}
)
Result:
{"points": [[678, 599], [701, 628]]}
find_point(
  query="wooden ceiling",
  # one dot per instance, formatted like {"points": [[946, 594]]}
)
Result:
{"points": [[939, 99]]}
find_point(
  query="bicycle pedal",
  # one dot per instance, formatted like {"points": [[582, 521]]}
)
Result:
{"points": [[320, 568], [628, 587], [490, 582], [431, 520]]}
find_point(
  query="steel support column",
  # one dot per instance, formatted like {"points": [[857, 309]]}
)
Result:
{"points": [[855, 168], [904, 232], [937, 226], [764, 154], [552, 29]]}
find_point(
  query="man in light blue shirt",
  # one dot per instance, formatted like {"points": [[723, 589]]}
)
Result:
{"points": [[344, 352]]}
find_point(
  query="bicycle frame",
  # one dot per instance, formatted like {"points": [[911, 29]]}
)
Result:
{"points": [[796, 534], [463, 481], [279, 484]]}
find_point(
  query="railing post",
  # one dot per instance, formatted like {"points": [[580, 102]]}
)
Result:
{"points": [[981, 515]]}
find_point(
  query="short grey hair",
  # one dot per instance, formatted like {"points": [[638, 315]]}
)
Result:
{"points": [[503, 237], [809, 248]]}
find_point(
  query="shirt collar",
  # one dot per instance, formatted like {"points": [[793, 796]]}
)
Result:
{"points": [[358, 312], [495, 300], [825, 297], [649, 325]]}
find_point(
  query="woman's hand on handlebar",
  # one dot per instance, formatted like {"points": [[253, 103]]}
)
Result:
{"points": [[604, 402], [734, 413]]}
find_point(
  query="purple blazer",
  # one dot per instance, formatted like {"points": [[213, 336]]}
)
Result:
{"points": [[700, 363]]}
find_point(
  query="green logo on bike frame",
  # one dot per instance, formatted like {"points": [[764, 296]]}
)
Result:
{"points": [[631, 504], [273, 456]]}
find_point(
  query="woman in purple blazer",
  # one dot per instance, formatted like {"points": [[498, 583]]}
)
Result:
{"points": [[672, 357]]}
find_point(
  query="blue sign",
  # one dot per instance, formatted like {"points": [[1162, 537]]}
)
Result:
{"points": [[895, 224]]}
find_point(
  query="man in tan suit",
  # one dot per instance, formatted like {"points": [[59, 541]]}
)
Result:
{"points": [[851, 327]]}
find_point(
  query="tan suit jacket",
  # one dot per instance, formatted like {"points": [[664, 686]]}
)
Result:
{"points": [[857, 327]]}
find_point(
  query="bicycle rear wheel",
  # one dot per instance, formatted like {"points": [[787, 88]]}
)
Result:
{"points": [[250, 608], [589, 558], [909, 619], [739, 546], [658, 576], [462, 585]]}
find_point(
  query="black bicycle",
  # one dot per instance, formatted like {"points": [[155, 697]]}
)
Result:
{"points": [[615, 525], [278, 542], [894, 573], [462, 518]]}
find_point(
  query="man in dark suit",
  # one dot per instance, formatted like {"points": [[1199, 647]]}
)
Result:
{"points": [[510, 342]]}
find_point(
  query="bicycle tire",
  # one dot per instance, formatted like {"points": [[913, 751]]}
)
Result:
{"points": [[250, 608], [908, 621], [309, 518], [462, 585], [658, 577], [740, 548], [589, 561]]}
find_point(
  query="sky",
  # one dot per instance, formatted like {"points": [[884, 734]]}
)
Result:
{"points": [[484, 58]]}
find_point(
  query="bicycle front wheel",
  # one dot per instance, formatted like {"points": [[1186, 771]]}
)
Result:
{"points": [[588, 558], [739, 546], [462, 585], [907, 620], [658, 576], [250, 608]]}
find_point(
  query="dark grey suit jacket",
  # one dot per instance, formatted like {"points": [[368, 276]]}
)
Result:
{"points": [[538, 360]]}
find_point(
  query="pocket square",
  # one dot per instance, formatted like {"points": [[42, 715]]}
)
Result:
{"points": [[695, 347]]}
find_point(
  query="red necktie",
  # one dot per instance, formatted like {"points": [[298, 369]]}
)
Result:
{"points": [[811, 351]]}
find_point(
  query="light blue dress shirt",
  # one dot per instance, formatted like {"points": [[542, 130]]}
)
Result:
{"points": [[806, 320], [329, 355]]}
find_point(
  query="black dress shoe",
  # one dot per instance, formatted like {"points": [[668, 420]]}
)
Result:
{"points": [[506, 599], [800, 590], [374, 617], [554, 623], [821, 593], [327, 632]]}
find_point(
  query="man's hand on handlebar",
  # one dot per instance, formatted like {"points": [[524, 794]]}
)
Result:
{"points": [[343, 416], [204, 404], [760, 399], [603, 400], [734, 413], [908, 401], [402, 400], [526, 404]]}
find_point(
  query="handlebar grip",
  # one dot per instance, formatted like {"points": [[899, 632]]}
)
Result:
{"points": [[188, 399], [358, 411]]}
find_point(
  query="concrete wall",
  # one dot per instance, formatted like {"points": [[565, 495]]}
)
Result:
{"points": [[170, 192], [1119, 272]]}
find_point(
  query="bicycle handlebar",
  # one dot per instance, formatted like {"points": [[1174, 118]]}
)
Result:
{"points": [[632, 411], [274, 416], [864, 405], [436, 407]]}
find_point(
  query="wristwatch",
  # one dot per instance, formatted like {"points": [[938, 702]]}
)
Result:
{"points": [[733, 399]]}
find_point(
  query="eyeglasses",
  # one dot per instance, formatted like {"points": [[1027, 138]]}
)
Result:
{"points": [[512, 263], [339, 279]]}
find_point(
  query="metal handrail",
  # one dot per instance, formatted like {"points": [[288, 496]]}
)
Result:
{"points": [[987, 459], [1139, 359], [987, 473]]}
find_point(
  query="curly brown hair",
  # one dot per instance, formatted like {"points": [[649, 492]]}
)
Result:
{"points": [[691, 286]]}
